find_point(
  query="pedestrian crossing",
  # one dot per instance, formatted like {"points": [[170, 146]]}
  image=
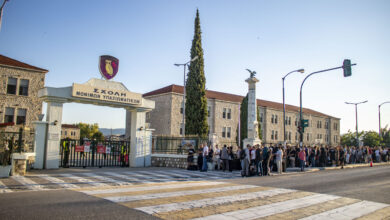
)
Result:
{"points": [[220, 200], [38, 182]]}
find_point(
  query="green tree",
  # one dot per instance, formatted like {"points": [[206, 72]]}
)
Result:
{"points": [[348, 139], [90, 131], [371, 138], [385, 133], [196, 101], [244, 120]]}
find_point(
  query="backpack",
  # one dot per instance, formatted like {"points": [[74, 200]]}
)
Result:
{"points": [[242, 154]]}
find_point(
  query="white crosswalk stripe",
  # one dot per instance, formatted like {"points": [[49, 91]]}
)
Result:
{"points": [[212, 201], [83, 180], [126, 177], [58, 181], [206, 199], [4, 188], [349, 212], [157, 187], [266, 210], [30, 184], [107, 179], [172, 194]]}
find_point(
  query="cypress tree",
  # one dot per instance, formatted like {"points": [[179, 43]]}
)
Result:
{"points": [[196, 101]]}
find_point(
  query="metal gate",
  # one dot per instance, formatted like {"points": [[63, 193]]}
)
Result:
{"points": [[76, 153]]}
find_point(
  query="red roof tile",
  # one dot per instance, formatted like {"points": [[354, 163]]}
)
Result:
{"points": [[234, 98], [15, 63], [69, 126]]}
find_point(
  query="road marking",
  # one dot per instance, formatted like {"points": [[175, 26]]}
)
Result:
{"points": [[149, 179], [212, 201], [380, 214], [155, 174], [312, 210], [202, 176], [227, 207], [28, 183], [173, 194], [274, 208], [83, 180], [57, 181], [149, 188], [107, 179], [132, 179], [350, 211], [4, 188]]}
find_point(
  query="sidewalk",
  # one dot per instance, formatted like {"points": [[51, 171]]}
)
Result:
{"points": [[314, 169]]}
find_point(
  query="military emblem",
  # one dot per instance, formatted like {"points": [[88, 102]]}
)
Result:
{"points": [[108, 66]]}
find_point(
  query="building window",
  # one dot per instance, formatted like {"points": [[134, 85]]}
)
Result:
{"points": [[9, 115], [21, 118], [276, 135], [11, 86], [181, 128], [335, 138], [229, 113], [272, 119], [66, 133], [229, 131], [289, 120], [181, 110], [289, 136], [296, 121], [224, 113], [261, 117], [223, 132], [208, 111], [308, 137], [276, 119], [23, 87], [272, 134], [335, 126], [326, 125]]}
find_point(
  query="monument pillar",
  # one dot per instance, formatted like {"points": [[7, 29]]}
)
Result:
{"points": [[253, 128]]}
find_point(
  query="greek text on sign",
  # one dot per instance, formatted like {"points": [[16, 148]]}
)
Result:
{"points": [[104, 94]]}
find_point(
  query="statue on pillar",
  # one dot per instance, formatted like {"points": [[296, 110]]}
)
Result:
{"points": [[252, 73]]}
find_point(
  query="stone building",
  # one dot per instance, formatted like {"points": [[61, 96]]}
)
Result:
{"points": [[223, 117], [70, 131], [19, 102]]}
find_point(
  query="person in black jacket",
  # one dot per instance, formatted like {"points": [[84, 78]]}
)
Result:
{"points": [[259, 161]]}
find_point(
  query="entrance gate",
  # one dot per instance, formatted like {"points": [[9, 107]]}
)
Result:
{"points": [[76, 153]]}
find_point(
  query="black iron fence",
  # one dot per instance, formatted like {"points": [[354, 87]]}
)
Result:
{"points": [[15, 142], [176, 145], [79, 153]]}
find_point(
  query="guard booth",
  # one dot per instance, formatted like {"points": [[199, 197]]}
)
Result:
{"points": [[49, 148]]}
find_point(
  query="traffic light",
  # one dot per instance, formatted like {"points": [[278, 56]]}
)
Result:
{"points": [[347, 68]]}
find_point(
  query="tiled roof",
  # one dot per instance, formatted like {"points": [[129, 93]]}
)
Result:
{"points": [[68, 126], [234, 98], [15, 63]]}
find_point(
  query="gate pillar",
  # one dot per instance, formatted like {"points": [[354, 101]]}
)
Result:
{"points": [[140, 145]]}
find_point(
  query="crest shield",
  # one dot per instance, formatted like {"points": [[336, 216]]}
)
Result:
{"points": [[108, 66]]}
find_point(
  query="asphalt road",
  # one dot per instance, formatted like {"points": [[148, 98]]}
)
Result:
{"points": [[367, 183], [371, 184]]}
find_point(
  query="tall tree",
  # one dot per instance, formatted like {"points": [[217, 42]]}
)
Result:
{"points": [[371, 138], [196, 101], [90, 131]]}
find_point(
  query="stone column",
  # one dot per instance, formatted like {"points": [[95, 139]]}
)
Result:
{"points": [[54, 119], [253, 129], [39, 143], [140, 139]]}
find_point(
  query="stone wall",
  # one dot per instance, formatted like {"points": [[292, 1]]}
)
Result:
{"points": [[170, 160], [30, 102], [160, 117]]}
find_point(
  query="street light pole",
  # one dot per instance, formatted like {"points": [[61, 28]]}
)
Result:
{"points": [[184, 91], [284, 106], [300, 94], [379, 108], [356, 118]]}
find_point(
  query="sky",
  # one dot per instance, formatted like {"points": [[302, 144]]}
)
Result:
{"points": [[269, 37]]}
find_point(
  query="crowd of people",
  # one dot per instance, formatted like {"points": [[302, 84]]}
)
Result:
{"points": [[261, 160]]}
